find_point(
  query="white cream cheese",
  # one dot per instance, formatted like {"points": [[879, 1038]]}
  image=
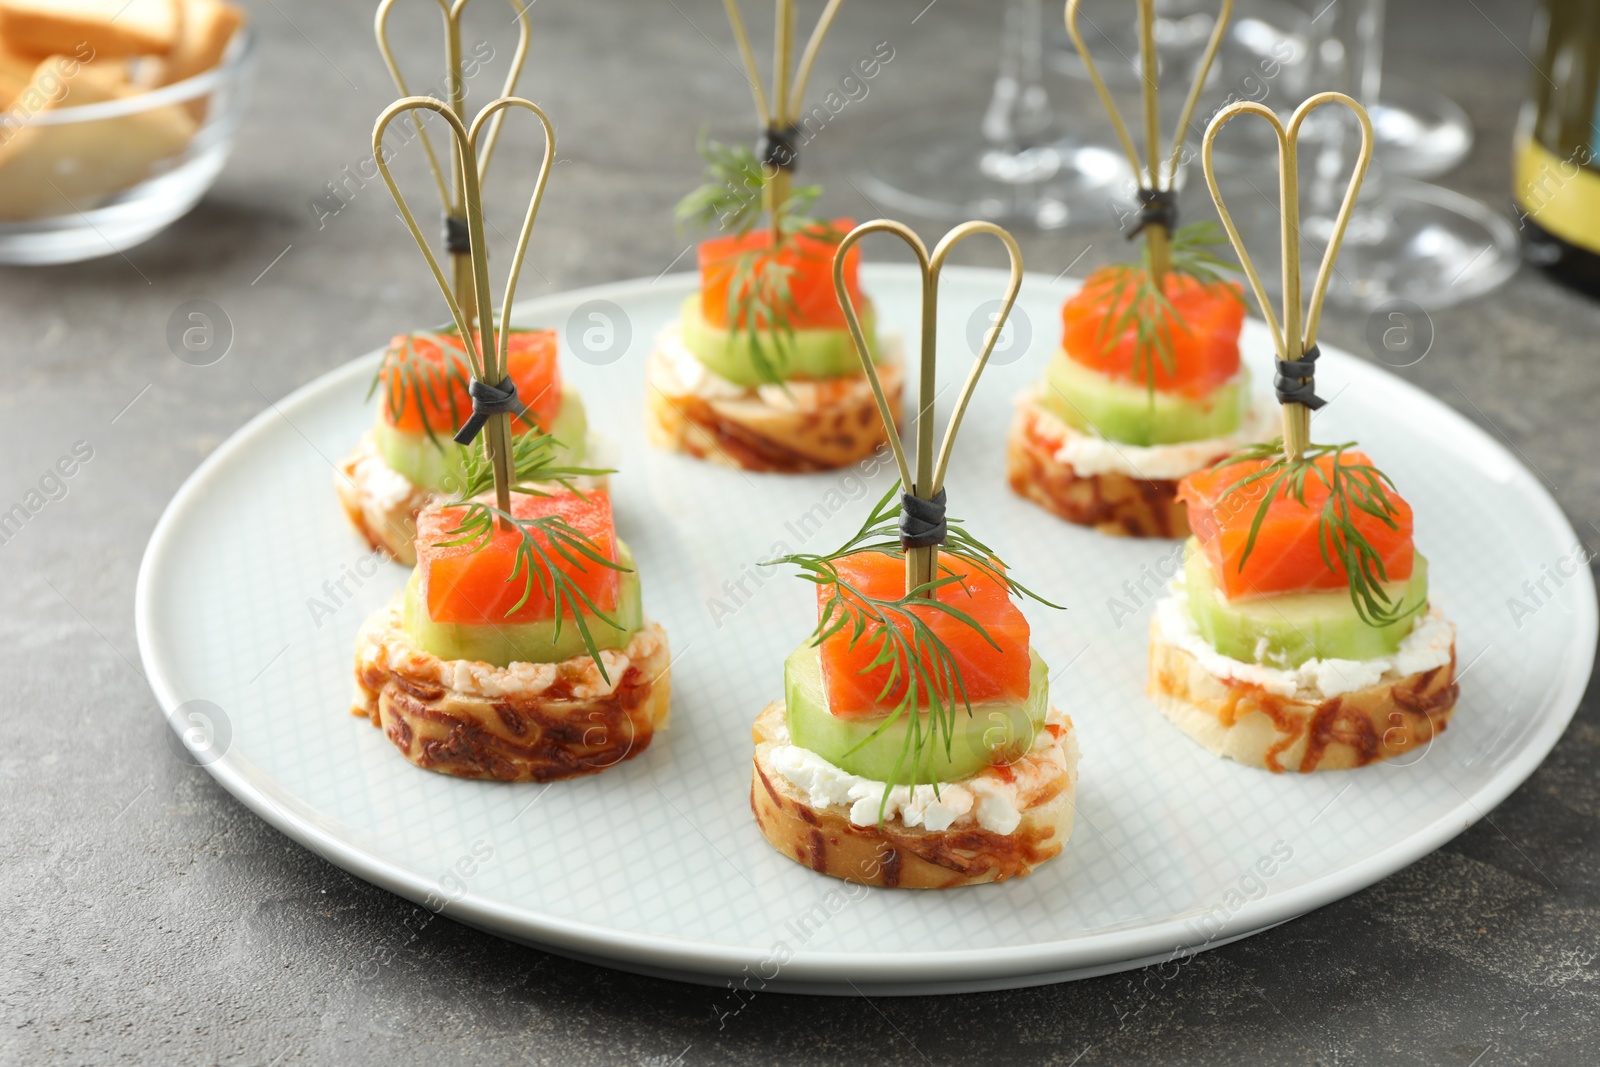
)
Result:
{"points": [[987, 799], [682, 374], [685, 375], [379, 483], [1427, 646], [385, 643], [1090, 454]]}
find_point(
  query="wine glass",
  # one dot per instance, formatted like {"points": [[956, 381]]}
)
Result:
{"points": [[1418, 132], [1407, 240], [1018, 164], [1267, 54]]}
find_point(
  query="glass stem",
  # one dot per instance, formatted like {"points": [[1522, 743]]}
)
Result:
{"points": [[1358, 32], [1019, 106]]}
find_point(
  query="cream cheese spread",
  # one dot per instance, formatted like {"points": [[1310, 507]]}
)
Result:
{"points": [[994, 798], [1427, 646]]}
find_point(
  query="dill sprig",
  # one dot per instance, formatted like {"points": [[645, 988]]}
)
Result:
{"points": [[1352, 488], [413, 379], [1144, 305], [917, 657], [537, 538], [760, 297], [730, 194], [534, 467], [533, 461]]}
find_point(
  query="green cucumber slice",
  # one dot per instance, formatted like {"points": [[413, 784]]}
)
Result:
{"points": [[812, 353], [1286, 631], [992, 733], [525, 642], [1122, 411], [436, 463]]}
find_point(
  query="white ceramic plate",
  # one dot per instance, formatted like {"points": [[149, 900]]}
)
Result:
{"points": [[253, 586]]}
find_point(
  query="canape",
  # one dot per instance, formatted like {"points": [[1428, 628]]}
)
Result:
{"points": [[408, 459], [1147, 385], [519, 650], [1301, 635], [976, 783], [915, 745], [1293, 641], [433, 385], [759, 372], [768, 383], [1143, 391]]}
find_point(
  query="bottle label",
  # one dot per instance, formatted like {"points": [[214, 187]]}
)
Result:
{"points": [[1561, 195]]}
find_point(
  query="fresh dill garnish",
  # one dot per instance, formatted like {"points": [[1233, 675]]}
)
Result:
{"points": [[1142, 304], [533, 461], [760, 298], [730, 194], [533, 456], [1352, 488], [916, 656]]}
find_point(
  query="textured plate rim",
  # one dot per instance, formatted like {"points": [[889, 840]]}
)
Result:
{"points": [[666, 953]]}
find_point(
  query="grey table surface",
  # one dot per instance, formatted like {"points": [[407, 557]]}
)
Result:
{"points": [[149, 917]]}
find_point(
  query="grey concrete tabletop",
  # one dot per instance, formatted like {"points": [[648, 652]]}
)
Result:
{"points": [[151, 918]]}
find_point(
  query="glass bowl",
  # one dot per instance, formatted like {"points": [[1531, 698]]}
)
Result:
{"points": [[87, 180]]}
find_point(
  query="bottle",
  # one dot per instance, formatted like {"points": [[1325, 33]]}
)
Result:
{"points": [[1555, 181]]}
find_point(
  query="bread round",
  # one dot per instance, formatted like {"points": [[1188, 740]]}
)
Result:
{"points": [[747, 433], [522, 723], [1305, 732], [898, 856], [1112, 502], [381, 502]]}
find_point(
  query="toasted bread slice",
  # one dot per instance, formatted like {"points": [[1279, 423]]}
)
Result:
{"points": [[208, 26], [1110, 501], [108, 28], [1304, 732], [895, 855], [63, 169], [16, 71], [749, 433], [523, 723]]}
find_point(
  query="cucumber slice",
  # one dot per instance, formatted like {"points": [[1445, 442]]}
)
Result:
{"points": [[526, 642], [993, 733], [437, 464], [1286, 631], [1123, 411], [812, 353]]}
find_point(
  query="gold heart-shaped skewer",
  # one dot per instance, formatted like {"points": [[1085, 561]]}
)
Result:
{"points": [[929, 480], [489, 361], [780, 111], [452, 193], [1292, 340], [1151, 175]]}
